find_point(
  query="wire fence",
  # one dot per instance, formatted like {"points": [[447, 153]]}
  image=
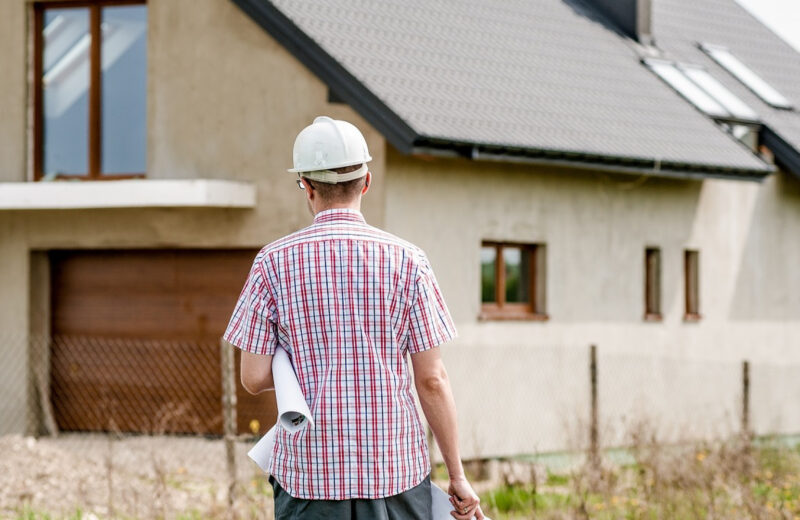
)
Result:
{"points": [[140, 428]]}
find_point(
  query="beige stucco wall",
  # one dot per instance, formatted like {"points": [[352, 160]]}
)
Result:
{"points": [[224, 101], [13, 29], [533, 376]]}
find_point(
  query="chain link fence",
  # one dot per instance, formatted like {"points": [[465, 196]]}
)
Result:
{"points": [[130, 428]]}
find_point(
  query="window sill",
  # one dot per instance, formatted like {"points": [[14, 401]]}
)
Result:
{"points": [[653, 317], [692, 317], [131, 193], [511, 316]]}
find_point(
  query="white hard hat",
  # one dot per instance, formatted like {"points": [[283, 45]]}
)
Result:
{"points": [[327, 144]]}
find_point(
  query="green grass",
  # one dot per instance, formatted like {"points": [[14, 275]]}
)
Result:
{"points": [[723, 481], [28, 513]]}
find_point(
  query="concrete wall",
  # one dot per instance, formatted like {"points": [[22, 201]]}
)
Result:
{"points": [[596, 227]]}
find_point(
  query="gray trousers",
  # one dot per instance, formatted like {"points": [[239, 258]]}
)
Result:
{"points": [[413, 504]]}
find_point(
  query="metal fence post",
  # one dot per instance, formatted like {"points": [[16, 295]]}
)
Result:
{"points": [[594, 440], [746, 399], [227, 361]]}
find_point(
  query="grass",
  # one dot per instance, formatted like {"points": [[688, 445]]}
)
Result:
{"points": [[734, 480], [28, 513], [727, 480]]}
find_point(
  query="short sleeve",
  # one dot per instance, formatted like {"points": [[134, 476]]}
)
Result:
{"points": [[252, 326], [430, 321]]}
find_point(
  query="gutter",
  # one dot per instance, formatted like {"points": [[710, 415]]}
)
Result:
{"points": [[583, 161]]}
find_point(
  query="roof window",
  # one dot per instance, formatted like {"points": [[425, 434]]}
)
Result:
{"points": [[746, 75], [703, 91]]}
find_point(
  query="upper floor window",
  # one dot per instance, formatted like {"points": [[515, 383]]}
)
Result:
{"points": [[691, 271], [90, 89], [513, 281], [652, 284]]}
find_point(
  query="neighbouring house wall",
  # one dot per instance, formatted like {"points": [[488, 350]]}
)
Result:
{"points": [[533, 376], [224, 101]]}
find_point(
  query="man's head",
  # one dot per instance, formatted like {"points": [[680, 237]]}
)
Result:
{"points": [[330, 159], [341, 192]]}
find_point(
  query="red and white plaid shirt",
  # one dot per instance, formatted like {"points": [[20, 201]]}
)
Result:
{"points": [[346, 301]]}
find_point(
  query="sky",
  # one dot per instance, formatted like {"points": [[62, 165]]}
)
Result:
{"points": [[782, 16]]}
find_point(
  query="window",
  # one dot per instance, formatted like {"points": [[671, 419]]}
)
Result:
{"points": [[703, 91], [90, 89], [735, 106], [691, 269], [746, 75], [513, 281], [652, 284]]}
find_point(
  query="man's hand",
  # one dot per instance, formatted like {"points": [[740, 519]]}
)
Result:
{"points": [[464, 500]]}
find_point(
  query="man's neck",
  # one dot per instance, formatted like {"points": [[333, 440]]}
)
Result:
{"points": [[355, 205]]}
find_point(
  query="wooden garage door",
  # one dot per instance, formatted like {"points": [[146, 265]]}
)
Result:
{"points": [[136, 340]]}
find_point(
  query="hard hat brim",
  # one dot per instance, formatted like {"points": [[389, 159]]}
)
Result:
{"points": [[344, 165], [331, 177]]}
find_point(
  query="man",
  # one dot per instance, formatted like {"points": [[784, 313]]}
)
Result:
{"points": [[347, 301]]}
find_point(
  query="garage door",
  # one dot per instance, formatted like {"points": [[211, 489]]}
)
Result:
{"points": [[135, 341]]}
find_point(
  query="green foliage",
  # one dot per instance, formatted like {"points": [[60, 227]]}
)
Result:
{"points": [[727, 481], [554, 479]]}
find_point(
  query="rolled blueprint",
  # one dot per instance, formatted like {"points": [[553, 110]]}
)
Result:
{"points": [[293, 414]]}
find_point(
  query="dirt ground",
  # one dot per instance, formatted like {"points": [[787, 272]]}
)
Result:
{"points": [[139, 477]]}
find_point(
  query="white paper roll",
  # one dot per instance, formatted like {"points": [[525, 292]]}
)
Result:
{"points": [[293, 412]]}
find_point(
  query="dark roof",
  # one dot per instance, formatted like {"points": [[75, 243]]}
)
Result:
{"points": [[543, 80], [678, 26]]}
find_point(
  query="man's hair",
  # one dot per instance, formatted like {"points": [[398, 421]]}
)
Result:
{"points": [[342, 191]]}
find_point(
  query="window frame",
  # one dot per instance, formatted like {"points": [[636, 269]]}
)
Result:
{"points": [[652, 285], [535, 310], [691, 285], [94, 151]]}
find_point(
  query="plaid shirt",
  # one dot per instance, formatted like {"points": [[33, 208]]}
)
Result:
{"points": [[346, 301]]}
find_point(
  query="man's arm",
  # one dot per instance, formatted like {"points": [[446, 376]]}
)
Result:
{"points": [[256, 372], [436, 398]]}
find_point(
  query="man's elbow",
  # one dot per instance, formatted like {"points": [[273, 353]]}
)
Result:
{"points": [[257, 383], [436, 383]]}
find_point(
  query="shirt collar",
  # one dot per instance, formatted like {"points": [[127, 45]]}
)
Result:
{"points": [[339, 214]]}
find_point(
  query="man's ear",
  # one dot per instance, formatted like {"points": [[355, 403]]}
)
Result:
{"points": [[367, 183], [309, 189]]}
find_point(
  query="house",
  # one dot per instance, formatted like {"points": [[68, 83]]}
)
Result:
{"points": [[618, 173]]}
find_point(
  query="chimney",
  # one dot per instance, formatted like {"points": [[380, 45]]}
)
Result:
{"points": [[633, 17]]}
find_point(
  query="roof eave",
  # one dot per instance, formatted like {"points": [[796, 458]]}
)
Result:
{"points": [[331, 72], [588, 161]]}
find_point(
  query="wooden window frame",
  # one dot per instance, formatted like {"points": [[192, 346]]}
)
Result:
{"points": [[535, 310], [652, 285], [691, 277], [94, 150]]}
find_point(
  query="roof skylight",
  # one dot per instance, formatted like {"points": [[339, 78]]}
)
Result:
{"points": [[685, 87], [725, 97], [701, 89], [746, 75]]}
